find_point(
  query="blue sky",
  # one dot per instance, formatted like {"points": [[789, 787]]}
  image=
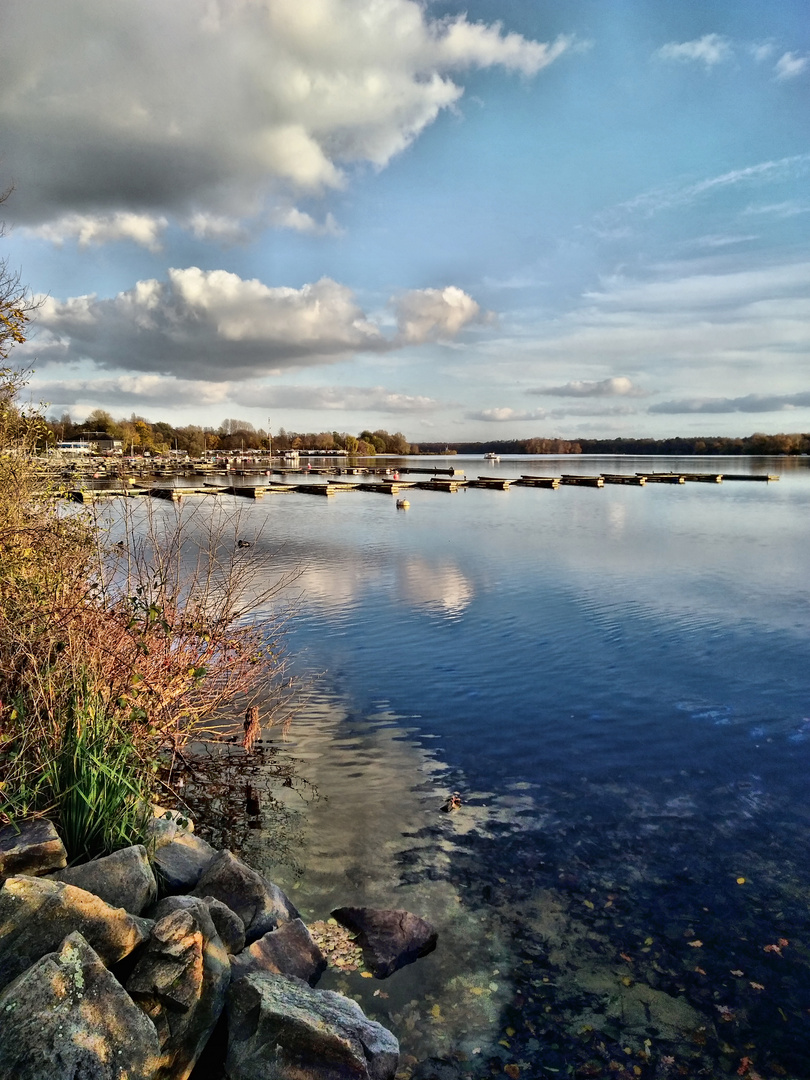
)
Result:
{"points": [[480, 220]]}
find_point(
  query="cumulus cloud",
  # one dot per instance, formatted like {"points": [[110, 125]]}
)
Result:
{"points": [[187, 108], [129, 392], [710, 50], [376, 399], [500, 415], [618, 386], [790, 65], [214, 325], [93, 229], [749, 403], [434, 314]]}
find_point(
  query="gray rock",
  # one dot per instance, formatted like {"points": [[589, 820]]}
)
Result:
{"points": [[123, 879], [227, 923], [389, 939], [180, 861], [36, 915], [259, 903], [281, 1029], [180, 982], [67, 1016], [289, 950], [30, 846]]}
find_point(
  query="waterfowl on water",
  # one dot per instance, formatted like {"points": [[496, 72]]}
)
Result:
{"points": [[452, 802], [243, 543]]}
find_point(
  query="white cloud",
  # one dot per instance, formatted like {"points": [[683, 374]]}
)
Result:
{"points": [[763, 172], [710, 50], [434, 314], [618, 386], [749, 403], [220, 327], [129, 391], [299, 221], [90, 229], [502, 414], [790, 65], [376, 399], [216, 109]]}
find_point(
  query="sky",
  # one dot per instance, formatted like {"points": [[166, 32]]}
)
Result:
{"points": [[487, 220]]}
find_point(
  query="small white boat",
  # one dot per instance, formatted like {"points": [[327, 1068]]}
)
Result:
{"points": [[491, 457]]}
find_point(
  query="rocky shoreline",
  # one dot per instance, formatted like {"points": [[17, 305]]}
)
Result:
{"points": [[149, 964]]}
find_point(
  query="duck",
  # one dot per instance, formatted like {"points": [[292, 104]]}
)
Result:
{"points": [[243, 543], [402, 504], [452, 802]]}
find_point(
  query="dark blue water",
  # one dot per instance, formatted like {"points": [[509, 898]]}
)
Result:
{"points": [[617, 681]]}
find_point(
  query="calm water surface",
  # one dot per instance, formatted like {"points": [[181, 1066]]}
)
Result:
{"points": [[617, 682]]}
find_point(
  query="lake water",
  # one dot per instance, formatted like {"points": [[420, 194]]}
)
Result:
{"points": [[617, 683]]}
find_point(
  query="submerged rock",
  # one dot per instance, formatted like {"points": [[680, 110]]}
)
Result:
{"points": [[281, 1029], [31, 846], [289, 950], [36, 915], [123, 879], [389, 939], [67, 1016], [259, 903]]}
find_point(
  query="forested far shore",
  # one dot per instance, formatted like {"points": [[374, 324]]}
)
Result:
{"points": [[138, 435]]}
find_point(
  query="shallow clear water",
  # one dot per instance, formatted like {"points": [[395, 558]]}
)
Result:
{"points": [[617, 682]]}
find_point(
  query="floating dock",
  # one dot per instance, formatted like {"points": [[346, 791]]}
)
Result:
{"points": [[663, 478], [582, 481], [624, 478], [490, 482], [527, 480]]}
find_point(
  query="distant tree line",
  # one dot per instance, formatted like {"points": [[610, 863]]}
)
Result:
{"points": [[139, 435], [233, 435], [759, 443]]}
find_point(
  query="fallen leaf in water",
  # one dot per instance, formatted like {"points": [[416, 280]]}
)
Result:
{"points": [[648, 941], [737, 972], [696, 944], [740, 880], [783, 942], [366, 975], [624, 956], [757, 986], [772, 948], [436, 1012], [512, 1071], [588, 904], [700, 971]]}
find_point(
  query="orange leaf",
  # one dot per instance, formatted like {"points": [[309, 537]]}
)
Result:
{"points": [[512, 1071]]}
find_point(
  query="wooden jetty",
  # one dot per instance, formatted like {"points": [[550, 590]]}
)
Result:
{"points": [[538, 481], [582, 481], [388, 487], [494, 482], [624, 478], [437, 483], [433, 472], [663, 478], [703, 478], [175, 494]]}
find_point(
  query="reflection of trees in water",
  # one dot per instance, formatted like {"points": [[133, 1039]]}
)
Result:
{"points": [[233, 797]]}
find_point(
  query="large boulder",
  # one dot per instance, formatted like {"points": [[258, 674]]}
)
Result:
{"points": [[389, 939], [30, 846], [227, 923], [36, 915], [281, 1029], [289, 950], [180, 983], [123, 879], [259, 903], [67, 1016], [180, 862]]}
